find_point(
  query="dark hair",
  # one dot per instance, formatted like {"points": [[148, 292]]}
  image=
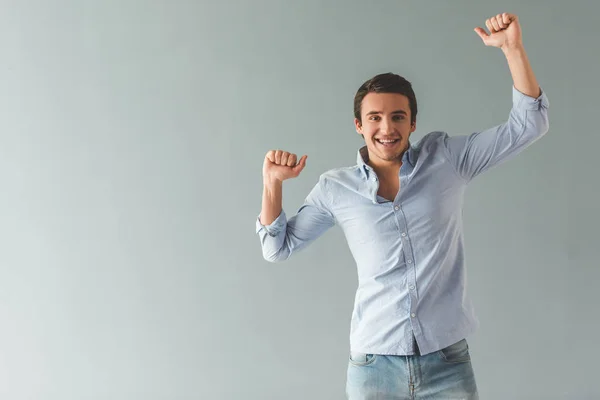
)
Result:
{"points": [[386, 83]]}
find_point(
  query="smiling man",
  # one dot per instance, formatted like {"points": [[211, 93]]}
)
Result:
{"points": [[400, 208]]}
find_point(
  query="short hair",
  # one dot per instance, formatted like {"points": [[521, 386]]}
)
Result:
{"points": [[386, 83]]}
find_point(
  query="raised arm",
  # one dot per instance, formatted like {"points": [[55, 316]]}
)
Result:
{"points": [[505, 33], [528, 119], [280, 237], [277, 167]]}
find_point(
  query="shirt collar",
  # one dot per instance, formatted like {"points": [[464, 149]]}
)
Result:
{"points": [[363, 157]]}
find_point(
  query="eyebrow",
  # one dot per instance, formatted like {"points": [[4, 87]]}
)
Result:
{"points": [[393, 112]]}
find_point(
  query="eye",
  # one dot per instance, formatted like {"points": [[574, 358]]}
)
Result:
{"points": [[374, 118], [398, 117]]}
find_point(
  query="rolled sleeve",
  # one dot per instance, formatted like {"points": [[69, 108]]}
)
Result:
{"points": [[275, 227], [525, 102]]}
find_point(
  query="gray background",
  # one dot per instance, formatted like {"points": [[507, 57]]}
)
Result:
{"points": [[132, 136]]}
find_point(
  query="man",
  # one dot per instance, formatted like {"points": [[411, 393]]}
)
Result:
{"points": [[400, 209]]}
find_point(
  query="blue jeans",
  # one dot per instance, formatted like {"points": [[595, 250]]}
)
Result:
{"points": [[446, 374]]}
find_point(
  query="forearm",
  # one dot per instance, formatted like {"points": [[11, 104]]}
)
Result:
{"points": [[522, 74], [271, 201], [281, 237]]}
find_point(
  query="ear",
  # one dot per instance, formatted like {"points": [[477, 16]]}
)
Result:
{"points": [[358, 126], [413, 127]]}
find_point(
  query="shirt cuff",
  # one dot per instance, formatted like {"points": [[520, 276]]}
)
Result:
{"points": [[521, 100], [274, 227]]}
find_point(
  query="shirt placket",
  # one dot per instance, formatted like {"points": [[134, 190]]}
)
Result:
{"points": [[410, 268]]}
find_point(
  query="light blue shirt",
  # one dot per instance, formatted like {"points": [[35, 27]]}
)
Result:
{"points": [[409, 252]]}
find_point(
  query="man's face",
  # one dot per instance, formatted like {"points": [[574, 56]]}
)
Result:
{"points": [[385, 125]]}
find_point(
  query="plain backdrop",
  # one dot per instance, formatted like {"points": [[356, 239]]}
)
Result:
{"points": [[132, 136]]}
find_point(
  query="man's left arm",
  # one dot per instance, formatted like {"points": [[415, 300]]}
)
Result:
{"points": [[505, 33], [528, 119]]}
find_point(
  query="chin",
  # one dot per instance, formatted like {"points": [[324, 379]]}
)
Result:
{"points": [[393, 154]]}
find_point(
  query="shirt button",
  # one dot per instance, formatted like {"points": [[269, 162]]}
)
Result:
{"points": [[411, 287], [413, 315], [409, 261], [396, 208], [403, 234]]}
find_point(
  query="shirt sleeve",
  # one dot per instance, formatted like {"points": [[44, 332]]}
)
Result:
{"points": [[477, 152], [283, 237]]}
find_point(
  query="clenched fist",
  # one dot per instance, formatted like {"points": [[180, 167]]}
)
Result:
{"points": [[280, 165], [505, 31]]}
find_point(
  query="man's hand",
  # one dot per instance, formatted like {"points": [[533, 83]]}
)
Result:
{"points": [[505, 32], [281, 165]]}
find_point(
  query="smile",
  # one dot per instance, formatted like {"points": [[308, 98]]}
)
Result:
{"points": [[387, 142]]}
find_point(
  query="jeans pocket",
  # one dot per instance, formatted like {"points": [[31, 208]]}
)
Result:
{"points": [[456, 353], [361, 359]]}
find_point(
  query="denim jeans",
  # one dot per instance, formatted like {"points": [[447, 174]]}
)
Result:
{"points": [[446, 374]]}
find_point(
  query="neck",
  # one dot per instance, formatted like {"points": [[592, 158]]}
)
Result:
{"points": [[386, 168]]}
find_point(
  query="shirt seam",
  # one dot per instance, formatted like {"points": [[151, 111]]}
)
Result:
{"points": [[329, 201], [454, 168]]}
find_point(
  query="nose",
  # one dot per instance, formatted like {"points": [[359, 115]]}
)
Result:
{"points": [[386, 126]]}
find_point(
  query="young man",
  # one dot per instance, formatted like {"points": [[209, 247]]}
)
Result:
{"points": [[400, 209]]}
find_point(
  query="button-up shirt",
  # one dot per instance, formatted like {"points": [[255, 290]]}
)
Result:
{"points": [[409, 252]]}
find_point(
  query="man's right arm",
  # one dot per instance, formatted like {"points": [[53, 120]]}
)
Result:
{"points": [[279, 236]]}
